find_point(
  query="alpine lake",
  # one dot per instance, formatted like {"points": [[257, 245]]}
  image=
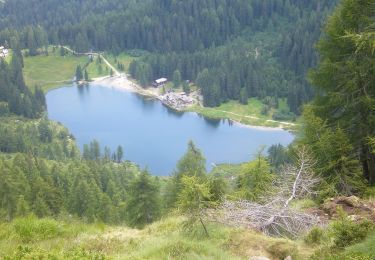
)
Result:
{"points": [[152, 135]]}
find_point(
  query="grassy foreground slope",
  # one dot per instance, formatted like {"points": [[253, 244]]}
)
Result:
{"points": [[32, 238]]}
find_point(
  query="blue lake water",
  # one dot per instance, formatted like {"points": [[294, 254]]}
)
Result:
{"points": [[152, 135]]}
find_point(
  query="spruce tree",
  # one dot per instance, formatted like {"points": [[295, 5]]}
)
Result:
{"points": [[143, 204], [79, 74], [176, 78]]}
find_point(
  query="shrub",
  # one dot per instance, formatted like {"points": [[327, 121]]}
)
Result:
{"points": [[316, 236], [369, 193], [27, 252], [31, 228], [282, 250], [346, 232]]}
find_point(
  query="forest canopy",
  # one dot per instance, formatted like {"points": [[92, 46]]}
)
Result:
{"points": [[252, 48]]}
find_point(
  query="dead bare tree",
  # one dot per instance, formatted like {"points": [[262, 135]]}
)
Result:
{"points": [[275, 216]]}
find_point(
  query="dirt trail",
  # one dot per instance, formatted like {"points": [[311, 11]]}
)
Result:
{"points": [[115, 71]]}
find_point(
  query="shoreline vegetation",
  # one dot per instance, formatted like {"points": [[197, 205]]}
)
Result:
{"points": [[53, 71]]}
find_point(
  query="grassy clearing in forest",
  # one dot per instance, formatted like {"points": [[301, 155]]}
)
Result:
{"points": [[54, 70], [250, 114], [122, 58], [51, 71]]}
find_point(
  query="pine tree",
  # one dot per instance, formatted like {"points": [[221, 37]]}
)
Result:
{"points": [[176, 78], [243, 96], [23, 208], [119, 154], [79, 74], [40, 207], [186, 87], [143, 204], [86, 76], [191, 164]]}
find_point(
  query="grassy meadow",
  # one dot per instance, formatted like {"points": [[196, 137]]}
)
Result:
{"points": [[250, 114], [32, 238], [122, 58], [51, 71], [54, 70]]}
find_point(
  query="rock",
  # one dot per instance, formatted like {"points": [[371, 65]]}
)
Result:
{"points": [[352, 201], [354, 217], [258, 258], [356, 208], [288, 258]]}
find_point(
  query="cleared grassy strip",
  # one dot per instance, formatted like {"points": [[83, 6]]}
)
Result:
{"points": [[122, 58], [96, 70], [250, 114]]}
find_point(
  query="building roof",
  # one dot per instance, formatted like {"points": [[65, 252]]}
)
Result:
{"points": [[161, 80]]}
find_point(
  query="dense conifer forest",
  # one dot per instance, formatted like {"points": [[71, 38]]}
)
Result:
{"points": [[231, 50]]}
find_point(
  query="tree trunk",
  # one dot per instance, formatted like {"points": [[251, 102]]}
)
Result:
{"points": [[204, 227], [363, 158], [371, 168]]}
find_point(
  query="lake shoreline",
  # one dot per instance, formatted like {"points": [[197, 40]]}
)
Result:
{"points": [[122, 82]]}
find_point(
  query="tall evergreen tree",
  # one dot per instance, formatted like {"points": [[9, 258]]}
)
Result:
{"points": [[344, 80], [143, 204]]}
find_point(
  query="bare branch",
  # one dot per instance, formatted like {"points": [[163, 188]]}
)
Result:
{"points": [[275, 217]]}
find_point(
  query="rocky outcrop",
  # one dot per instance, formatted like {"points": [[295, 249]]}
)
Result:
{"points": [[356, 208]]}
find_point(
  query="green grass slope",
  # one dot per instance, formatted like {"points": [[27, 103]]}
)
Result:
{"points": [[32, 238]]}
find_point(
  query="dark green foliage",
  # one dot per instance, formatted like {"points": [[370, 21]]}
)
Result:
{"points": [[45, 132], [36, 137], [186, 87], [176, 78], [90, 190], [264, 47], [218, 187], [346, 232], [143, 205], [13, 91], [255, 179], [86, 76], [191, 164], [278, 156], [337, 163], [315, 236], [342, 115], [119, 154], [244, 96], [79, 73]]}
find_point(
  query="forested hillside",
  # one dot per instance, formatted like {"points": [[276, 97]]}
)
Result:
{"points": [[232, 50], [15, 97]]}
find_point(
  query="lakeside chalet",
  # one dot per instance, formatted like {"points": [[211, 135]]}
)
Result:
{"points": [[160, 82]]}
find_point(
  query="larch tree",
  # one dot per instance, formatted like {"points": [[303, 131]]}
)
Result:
{"points": [[345, 81], [143, 204]]}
